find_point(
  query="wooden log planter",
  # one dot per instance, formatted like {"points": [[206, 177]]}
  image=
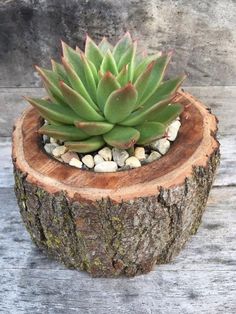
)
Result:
{"points": [[111, 224]]}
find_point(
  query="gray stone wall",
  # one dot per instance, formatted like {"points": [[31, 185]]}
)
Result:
{"points": [[202, 34]]}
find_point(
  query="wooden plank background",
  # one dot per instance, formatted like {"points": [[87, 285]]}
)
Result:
{"points": [[202, 279], [201, 33]]}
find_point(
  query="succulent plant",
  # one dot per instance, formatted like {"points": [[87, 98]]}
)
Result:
{"points": [[107, 95]]}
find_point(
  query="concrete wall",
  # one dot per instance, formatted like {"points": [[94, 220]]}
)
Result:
{"points": [[202, 33]]}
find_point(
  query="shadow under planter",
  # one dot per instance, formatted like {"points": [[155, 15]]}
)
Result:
{"points": [[111, 224]]}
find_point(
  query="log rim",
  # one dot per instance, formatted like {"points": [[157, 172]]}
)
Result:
{"points": [[113, 185]]}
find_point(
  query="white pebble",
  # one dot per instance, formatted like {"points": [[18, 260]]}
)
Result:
{"points": [[173, 130], [53, 140], [88, 161], [98, 159], [68, 156], [139, 153], [133, 162], [119, 156], [153, 156], [76, 163], [49, 148], [59, 150], [106, 166], [45, 138], [161, 145], [105, 153]]}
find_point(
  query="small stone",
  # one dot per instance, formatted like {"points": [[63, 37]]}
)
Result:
{"points": [[133, 162], [49, 148], [76, 163], [88, 161], [139, 153], [53, 140], [59, 150], [106, 166], [68, 156], [173, 130], [161, 145], [124, 168], [105, 153], [119, 156], [45, 138], [98, 159], [153, 156]]}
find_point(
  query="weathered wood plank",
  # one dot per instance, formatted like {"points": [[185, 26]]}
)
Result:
{"points": [[179, 292], [6, 171], [201, 33], [12, 104], [200, 280]]}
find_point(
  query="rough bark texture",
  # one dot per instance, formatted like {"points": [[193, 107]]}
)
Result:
{"points": [[106, 238]]}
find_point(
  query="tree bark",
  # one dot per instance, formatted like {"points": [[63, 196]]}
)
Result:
{"points": [[106, 234]]}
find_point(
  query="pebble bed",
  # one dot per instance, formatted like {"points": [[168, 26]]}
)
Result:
{"points": [[112, 159]]}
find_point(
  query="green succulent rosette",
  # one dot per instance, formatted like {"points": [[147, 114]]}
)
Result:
{"points": [[107, 95]]}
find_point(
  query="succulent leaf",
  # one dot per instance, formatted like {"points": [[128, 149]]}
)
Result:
{"points": [[106, 86], [120, 103], [142, 61], [150, 131], [94, 128], [121, 47], [79, 105], [93, 53], [91, 82], [122, 137], [123, 76], [86, 146], [51, 82], [166, 89], [65, 133], [143, 114], [60, 71], [104, 46], [150, 79], [55, 112], [128, 58], [74, 59], [76, 83], [109, 64], [167, 114]]}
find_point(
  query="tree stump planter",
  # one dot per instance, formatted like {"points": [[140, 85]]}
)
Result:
{"points": [[111, 224]]}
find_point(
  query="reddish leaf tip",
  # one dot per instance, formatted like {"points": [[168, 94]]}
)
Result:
{"points": [[62, 83], [108, 74], [170, 53], [37, 68]]}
